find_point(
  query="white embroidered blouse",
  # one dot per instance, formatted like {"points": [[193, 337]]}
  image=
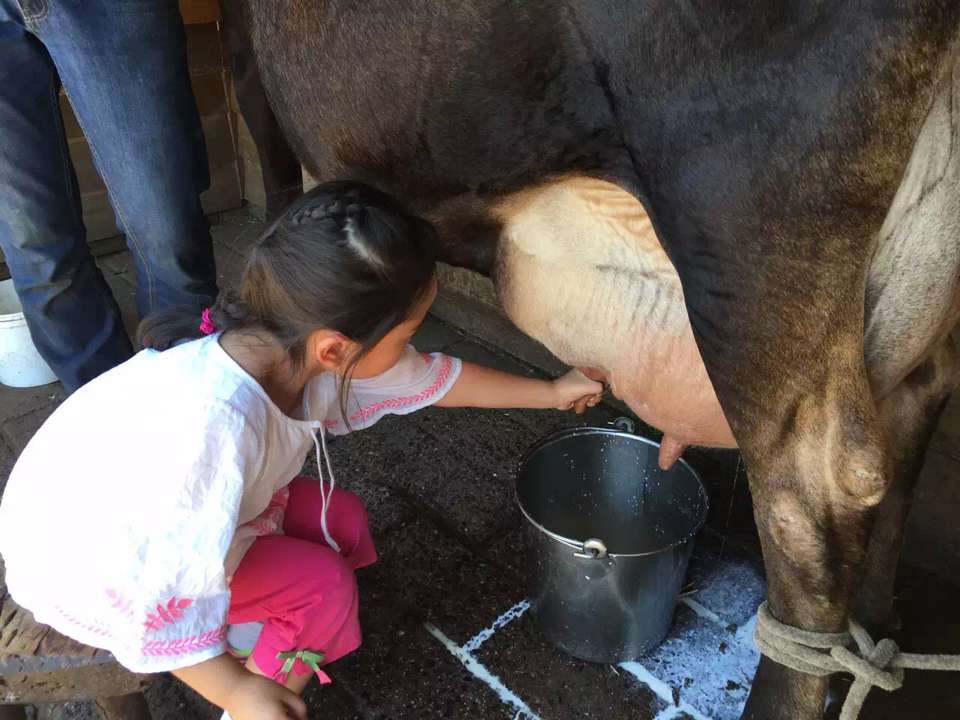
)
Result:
{"points": [[131, 507]]}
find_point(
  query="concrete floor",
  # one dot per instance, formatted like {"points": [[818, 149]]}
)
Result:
{"points": [[447, 632]]}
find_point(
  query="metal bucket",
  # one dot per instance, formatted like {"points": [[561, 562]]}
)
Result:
{"points": [[608, 542]]}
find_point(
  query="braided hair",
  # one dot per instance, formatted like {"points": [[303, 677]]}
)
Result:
{"points": [[343, 257]]}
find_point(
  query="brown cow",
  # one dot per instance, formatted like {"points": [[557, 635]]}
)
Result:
{"points": [[799, 162]]}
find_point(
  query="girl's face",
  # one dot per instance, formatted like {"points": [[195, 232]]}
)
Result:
{"points": [[385, 354]]}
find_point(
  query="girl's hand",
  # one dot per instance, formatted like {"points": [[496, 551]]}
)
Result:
{"points": [[258, 698], [575, 391]]}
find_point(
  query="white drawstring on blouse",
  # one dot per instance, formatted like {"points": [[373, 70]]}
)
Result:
{"points": [[325, 496]]}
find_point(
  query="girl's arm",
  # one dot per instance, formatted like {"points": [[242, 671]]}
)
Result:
{"points": [[245, 695], [484, 387]]}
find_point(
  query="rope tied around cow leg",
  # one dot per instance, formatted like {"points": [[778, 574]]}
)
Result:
{"points": [[871, 664]]}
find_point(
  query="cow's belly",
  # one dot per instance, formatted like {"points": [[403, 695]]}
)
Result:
{"points": [[580, 269]]}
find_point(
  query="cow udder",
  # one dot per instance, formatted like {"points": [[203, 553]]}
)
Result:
{"points": [[580, 269]]}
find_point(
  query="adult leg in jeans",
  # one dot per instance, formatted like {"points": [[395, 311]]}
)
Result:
{"points": [[124, 68], [73, 317]]}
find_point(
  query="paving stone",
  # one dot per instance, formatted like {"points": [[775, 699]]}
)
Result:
{"points": [[416, 562], [387, 622], [19, 430], [508, 549], [69, 711], [245, 215], [476, 594], [7, 458], [230, 265], [435, 335], [170, 699], [437, 470], [411, 676], [488, 438], [559, 687], [330, 702], [400, 671], [120, 263], [239, 231], [729, 581], [126, 296], [16, 402]]}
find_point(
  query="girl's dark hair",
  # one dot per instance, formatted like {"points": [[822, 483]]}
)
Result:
{"points": [[344, 256]]}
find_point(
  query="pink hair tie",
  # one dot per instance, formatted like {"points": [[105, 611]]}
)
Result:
{"points": [[206, 324]]}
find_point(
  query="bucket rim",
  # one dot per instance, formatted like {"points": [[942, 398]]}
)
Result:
{"points": [[9, 292], [593, 430]]}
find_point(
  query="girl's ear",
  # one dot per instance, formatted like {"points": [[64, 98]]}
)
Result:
{"points": [[329, 350]]}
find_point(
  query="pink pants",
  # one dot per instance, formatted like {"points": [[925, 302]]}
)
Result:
{"points": [[304, 592]]}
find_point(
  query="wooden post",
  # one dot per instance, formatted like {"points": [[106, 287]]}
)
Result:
{"points": [[126, 707], [12, 712], [195, 12]]}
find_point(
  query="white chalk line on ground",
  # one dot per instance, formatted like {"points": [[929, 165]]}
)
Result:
{"points": [[662, 691], [703, 611], [508, 617], [668, 713], [508, 697], [479, 671], [660, 688], [744, 634]]}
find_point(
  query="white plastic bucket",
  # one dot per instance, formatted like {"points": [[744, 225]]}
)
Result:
{"points": [[20, 363]]}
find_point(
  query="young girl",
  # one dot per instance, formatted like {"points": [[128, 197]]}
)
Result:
{"points": [[171, 480]]}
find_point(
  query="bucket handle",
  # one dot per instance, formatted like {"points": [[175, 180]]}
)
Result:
{"points": [[592, 549], [625, 424]]}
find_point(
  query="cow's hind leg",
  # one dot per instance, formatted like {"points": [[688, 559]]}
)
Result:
{"points": [[786, 355], [910, 412], [779, 320], [815, 482]]}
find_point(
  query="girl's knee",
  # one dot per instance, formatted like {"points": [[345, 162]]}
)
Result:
{"points": [[306, 502], [348, 506], [308, 488], [329, 572], [304, 485]]}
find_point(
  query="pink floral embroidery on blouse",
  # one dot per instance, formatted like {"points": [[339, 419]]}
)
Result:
{"points": [[270, 521], [183, 646], [167, 614], [365, 413]]}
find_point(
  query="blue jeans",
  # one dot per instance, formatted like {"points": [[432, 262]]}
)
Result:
{"points": [[123, 66]]}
